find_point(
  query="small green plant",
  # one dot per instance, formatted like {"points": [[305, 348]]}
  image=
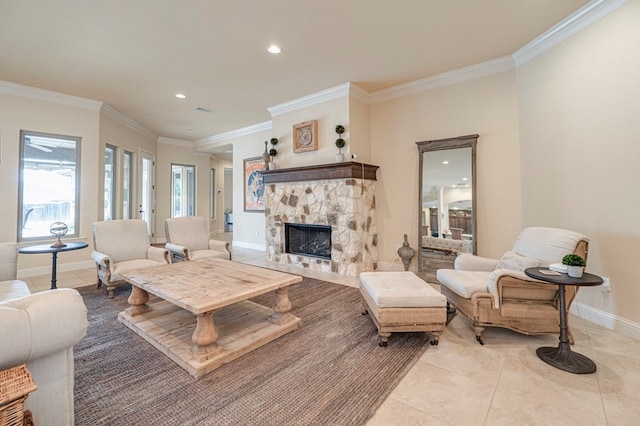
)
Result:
{"points": [[573, 260], [340, 143]]}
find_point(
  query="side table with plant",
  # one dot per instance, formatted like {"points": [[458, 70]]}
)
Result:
{"points": [[575, 265]]}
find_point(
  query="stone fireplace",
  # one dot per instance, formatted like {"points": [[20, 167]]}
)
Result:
{"points": [[338, 201]]}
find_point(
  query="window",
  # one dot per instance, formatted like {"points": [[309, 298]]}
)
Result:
{"points": [[49, 185], [183, 190], [127, 180], [213, 194], [109, 182]]}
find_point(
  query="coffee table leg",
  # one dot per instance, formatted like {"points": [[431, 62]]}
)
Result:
{"points": [[204, 337], [281, 307], [138, 301]]}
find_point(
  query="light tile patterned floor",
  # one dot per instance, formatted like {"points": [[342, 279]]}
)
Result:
{"points": [[460, 382]]}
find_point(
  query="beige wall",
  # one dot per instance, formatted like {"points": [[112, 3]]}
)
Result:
{"points": [[124, 138], [486, 106], [168, 154], [329, 114], [18, 113], [579, 107]]}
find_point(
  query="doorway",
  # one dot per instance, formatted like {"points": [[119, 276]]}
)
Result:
{"points": [[146, 195]]}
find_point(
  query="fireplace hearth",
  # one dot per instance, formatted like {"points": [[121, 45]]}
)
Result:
{"points": [[308, 240]]}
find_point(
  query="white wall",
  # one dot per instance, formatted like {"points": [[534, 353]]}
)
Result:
{"points": [[20, 113], [579, 106]]}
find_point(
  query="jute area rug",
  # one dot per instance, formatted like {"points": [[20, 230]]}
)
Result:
{"points": [[330, 371]]}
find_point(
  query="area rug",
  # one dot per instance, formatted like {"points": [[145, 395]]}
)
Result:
{"points": [[329, 371]]}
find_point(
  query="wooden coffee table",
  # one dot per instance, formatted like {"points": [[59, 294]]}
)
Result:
{"points": [[182, 325]]}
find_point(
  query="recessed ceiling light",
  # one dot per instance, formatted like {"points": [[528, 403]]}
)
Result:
{"points": [[274, 49], [465, 179], [445, 162], [181, 96]]}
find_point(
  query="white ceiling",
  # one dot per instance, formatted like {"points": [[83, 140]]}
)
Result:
{"points": [[135, 55]]}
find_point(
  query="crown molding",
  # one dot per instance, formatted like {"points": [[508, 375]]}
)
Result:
{"points": [[459, 75], [175, 142], [22, 91], [118, 116], [316, 98], [582, 18], [226, 136]]}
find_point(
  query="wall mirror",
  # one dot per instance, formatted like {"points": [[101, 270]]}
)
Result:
{"points": [[447, 202]]}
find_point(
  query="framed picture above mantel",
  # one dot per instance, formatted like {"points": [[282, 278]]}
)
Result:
{"points": [[305, 136]]}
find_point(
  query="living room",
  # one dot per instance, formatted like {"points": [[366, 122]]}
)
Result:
{"points": [[552, 116]]}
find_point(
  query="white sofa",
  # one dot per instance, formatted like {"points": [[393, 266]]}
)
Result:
{"points": [[40, 329]]}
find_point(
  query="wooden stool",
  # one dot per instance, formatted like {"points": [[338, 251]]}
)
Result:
{"points": [[402, 302]]}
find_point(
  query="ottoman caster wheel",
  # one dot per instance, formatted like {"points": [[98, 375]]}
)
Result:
{"points": [[434, 342], [365, 312], [479, 339], [382, 344]]}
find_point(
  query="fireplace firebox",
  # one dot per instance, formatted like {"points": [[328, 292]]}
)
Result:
{"points": [[308, 240]]}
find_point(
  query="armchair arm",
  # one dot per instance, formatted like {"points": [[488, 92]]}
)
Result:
{"points": [[470, 262], [40, 324], [218, 245], [102, 259], [501, 279], [158, 254], [178, 250]]}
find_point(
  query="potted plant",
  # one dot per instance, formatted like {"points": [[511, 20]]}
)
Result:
{"points": [[575, 265], [340, 143], [273, 153]]}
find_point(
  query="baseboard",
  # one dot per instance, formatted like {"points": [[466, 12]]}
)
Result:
{"points": [[607, 320], [61, 267], [252, 246]]}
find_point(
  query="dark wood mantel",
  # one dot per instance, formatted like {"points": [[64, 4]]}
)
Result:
{"points": [[345, 170]]}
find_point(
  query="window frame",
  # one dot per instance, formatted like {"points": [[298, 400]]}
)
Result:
{"points": [[21, 179], [127, 178], [114, 181], [187, 193]]}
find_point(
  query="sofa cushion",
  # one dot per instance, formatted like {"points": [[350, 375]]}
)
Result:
{"points": [[464, 283], [514, 261], [12, 289], [400, 290]]}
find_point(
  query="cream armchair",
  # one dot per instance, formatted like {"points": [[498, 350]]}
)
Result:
{"points": [[40, 329], [120, 246], [188, 239], [497, 293]]}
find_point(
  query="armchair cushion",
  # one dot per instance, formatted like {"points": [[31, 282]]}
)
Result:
{"points": [[129, 265], [470, 262], [464, 283], [547, 244]]}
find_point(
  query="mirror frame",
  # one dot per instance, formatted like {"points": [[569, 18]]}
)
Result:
{"points": [[468, 141]]}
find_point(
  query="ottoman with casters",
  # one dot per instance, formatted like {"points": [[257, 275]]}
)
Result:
{"points": [[402, 302]]}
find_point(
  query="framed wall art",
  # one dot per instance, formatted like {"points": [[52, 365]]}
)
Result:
{"points": [[305, 136], [253, 184]]}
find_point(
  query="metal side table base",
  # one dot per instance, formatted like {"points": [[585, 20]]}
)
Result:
{"points": [[564, 358]]}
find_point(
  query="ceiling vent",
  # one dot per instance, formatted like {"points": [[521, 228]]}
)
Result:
{"points": [[203, 109]]}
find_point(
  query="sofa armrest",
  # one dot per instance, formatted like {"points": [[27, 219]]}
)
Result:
{"points": [[178, 250], [102, 259], [40, 324], [470, 262], [158, 254], [218, 245]]}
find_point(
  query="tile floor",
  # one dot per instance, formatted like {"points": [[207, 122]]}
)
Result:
{"points": [[460, 382]]}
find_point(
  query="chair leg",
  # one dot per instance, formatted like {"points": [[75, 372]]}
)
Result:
{"points": [[110, 289], [451, 312], [479, 331]]}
